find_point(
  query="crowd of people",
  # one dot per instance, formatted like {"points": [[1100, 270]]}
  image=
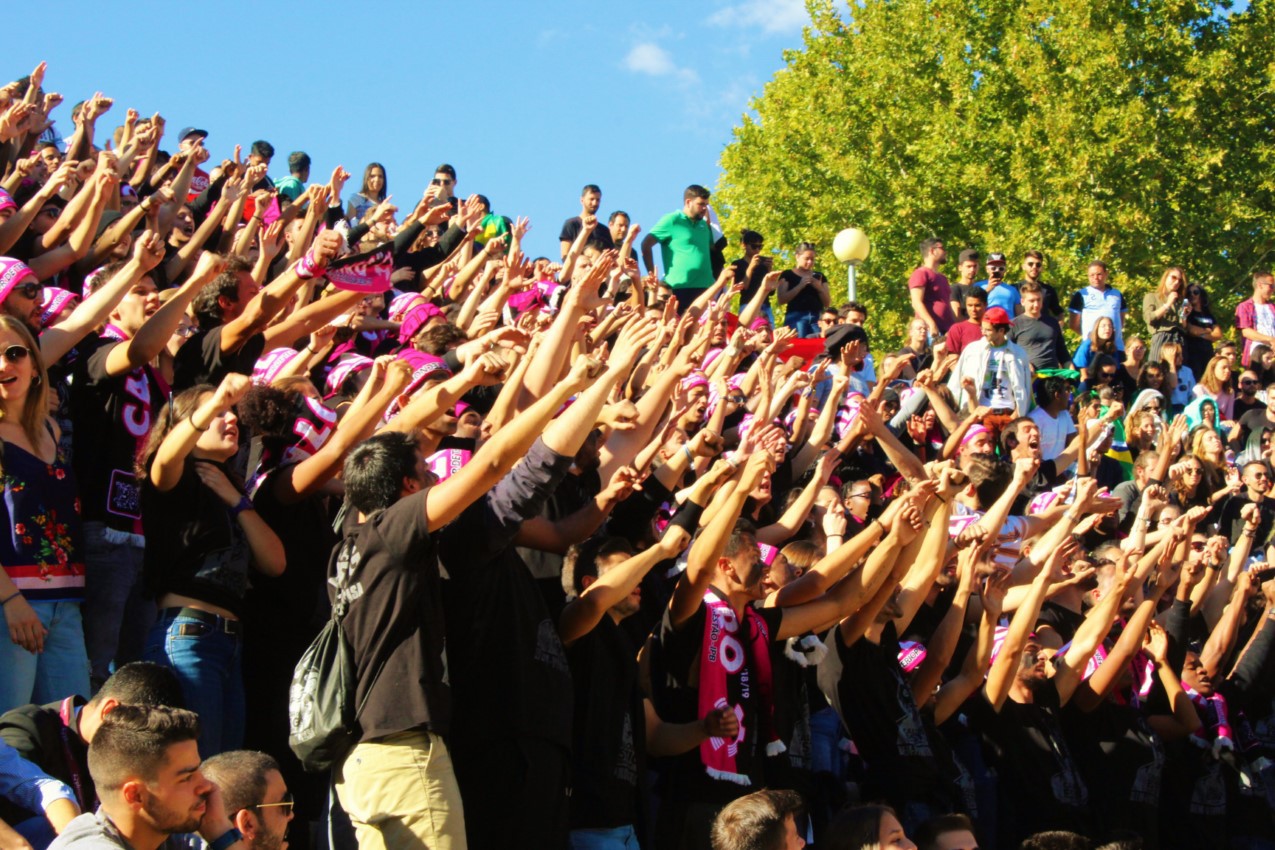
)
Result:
{"points": [[659, 554]]}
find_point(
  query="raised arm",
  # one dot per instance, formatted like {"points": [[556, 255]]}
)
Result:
{"points": [[166, 466], [1001, 676]]}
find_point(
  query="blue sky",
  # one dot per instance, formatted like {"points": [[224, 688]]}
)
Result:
{"points": [[529, 101]]}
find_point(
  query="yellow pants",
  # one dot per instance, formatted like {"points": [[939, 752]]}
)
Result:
{"points": [[401, 792]]}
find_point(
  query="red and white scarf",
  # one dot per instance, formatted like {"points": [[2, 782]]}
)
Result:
{"points": [[728, 674]]}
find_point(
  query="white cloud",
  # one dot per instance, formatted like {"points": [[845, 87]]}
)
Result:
{"points": [[773, 17], [649, 58]]}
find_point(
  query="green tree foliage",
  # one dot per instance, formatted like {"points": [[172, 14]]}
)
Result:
{"points": [[1134, 132]]}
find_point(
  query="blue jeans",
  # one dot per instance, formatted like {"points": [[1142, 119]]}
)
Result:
{"points": [[209, 665], [806, 324], [619, 838], [62, 670], [825, 743], [117, 616]]}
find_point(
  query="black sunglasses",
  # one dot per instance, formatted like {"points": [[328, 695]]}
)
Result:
{"points": [[29, 290], [15, 353]]}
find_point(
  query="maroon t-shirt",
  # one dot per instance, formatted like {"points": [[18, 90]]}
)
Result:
{"points": [[962, 334], [937, 295]]}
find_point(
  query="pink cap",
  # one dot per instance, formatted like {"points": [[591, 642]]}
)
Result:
{"points": [[6, 201], [424, 367], [271, 364], [768, 553], [693, 380], [12, 273], [54, 302], [415, 319]]}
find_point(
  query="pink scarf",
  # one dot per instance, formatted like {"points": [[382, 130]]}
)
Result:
{"points": [[727, 674], [1216, 731]]}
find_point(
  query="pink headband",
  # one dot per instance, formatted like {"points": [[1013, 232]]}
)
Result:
{"points": [[415, 319], [972, 433], [402, 303], [343, 370], [693, 380], [768, 553], [424, 367], [12, 273], [55, 301]]}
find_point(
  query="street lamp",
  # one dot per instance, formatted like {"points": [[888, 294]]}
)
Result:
{"points": [[851, 246]]}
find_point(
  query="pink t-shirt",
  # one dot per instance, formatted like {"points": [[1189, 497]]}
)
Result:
{"points": [[936, 294]]}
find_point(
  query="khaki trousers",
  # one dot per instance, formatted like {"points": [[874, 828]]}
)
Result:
{"points": [[400, 792]]}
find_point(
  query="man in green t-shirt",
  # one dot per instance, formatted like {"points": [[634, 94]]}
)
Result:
{"points": [[685, 240]]}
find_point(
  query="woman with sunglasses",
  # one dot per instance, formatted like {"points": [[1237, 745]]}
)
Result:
{"points": [[202, 534], [1202, 330], [42, 583], [1162, 310]]}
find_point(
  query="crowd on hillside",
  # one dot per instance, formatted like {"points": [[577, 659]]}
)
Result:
{"points": [[644, 544]]}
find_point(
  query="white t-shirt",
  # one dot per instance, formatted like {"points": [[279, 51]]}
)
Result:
{"points": [[1053, 432]]}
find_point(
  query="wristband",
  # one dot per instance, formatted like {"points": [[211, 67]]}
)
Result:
{"points": [[245, 504], [690, 458], [687, 517], [880, 525], [308, 268], [7, 600], [191, 417], [228, 838]]}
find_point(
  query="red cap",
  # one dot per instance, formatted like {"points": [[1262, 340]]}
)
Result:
{"points": [[997, 316]]}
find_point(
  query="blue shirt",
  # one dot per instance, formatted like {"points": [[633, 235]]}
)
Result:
{"points": [[24, 784], [1004, 296]]}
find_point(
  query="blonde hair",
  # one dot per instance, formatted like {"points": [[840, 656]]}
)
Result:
{"points": [[35, 409]]}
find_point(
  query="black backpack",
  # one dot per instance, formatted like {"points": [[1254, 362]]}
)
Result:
{"points": [[322, 716]]}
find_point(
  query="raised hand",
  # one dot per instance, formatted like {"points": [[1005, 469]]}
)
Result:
{"points": [[148, 250]]}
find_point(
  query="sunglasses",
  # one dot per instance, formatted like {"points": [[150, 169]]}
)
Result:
{"points": [[1032, 265], [285, 803], [29, 290], [15, 353], [438, 182]]}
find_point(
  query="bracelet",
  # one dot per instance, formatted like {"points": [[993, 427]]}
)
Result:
{"points": [[940, 498], [245, 504], [227, 839], [880, 525], [6, 601], [191, 417], [687, 449]]}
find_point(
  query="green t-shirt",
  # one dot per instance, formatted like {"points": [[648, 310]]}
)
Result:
{"points": [[684, 246], [290, 187]]}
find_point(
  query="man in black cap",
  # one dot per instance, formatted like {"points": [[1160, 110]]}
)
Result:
{"points": [[191, 137], [999, 293]]}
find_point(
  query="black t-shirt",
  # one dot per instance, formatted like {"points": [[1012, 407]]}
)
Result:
{"points": [[1039, 782], [675, 681], [1230, 523], [866, 685], [609, 739], [807, 300], [395, 619], [200, 360], [1042, 339], [194, 544], [506, 663], [1242, 407], [1199, 350], [1123, 760], [112, 417], [601, 233], [1053, 307], [751, 284]]}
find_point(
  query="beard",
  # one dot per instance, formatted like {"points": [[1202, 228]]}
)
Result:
{"points": [[171, 821]]}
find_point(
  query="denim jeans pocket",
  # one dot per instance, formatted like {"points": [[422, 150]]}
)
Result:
{"points": [[188, 629]]}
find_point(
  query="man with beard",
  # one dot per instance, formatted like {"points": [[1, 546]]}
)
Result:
{"points": [[145, 764], [590, 200], [685, 240], [930, 291], [255, 796], [1033, 264]]}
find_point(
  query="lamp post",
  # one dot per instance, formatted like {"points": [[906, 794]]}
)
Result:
{"points": [[851, 246]]}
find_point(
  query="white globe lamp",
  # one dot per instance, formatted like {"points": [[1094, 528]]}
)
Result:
{"points": [[851, 246]]}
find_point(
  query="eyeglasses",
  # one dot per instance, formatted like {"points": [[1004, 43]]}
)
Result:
{"points": [[285, 803], [185, 332], [29, 290], [864, 495], [15, 353]]}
